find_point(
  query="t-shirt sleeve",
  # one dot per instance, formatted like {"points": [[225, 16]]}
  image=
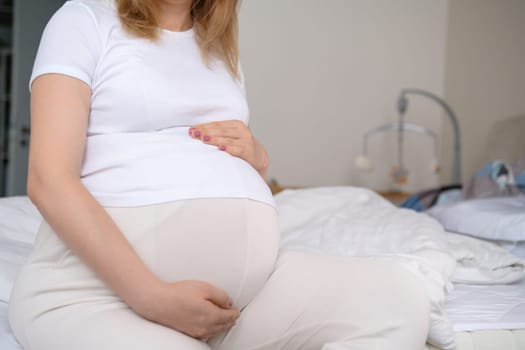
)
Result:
{"points": [[70, 44]]}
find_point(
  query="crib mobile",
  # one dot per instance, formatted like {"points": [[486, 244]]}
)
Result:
{"points": [[399, 172]]}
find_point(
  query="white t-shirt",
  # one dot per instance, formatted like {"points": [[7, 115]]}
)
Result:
{"points": [[145, 96]]}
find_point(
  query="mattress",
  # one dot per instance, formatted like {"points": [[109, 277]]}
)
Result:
{"points": [[489, 340], [487, 317], [487, 307]]}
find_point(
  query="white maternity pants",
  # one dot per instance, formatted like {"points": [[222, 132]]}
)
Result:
{"points": [[289, 300]]}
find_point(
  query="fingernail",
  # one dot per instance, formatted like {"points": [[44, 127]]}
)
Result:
{"points": [[197, 133], [230, 303], [191, 131], [222, 148], [206, 138]]}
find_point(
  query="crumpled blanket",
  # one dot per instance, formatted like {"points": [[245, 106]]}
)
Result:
{"points": [[351, 221], [482, 262]]}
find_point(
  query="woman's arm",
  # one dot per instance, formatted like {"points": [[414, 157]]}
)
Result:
{"points": [[59, 117]]}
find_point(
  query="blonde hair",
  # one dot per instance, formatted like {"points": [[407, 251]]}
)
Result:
{"points": [[214, 21]]}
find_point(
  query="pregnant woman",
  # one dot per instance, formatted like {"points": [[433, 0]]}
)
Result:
{"points": [[159, 231]]}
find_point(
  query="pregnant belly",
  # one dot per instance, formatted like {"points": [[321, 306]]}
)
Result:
{"points": [[230, 243]]}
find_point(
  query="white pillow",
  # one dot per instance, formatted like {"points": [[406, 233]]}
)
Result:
{"points": [[501, 218]]}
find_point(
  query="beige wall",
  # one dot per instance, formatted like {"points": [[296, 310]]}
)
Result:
{"points": [[321, 72], [485, 80]]}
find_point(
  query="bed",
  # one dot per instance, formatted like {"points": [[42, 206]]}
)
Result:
{"points": [[482, 316]]}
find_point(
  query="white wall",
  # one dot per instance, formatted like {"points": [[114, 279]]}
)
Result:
{"points": [[485, 79], [321, 72]]}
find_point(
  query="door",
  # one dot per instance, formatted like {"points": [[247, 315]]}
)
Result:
{"points": [[6, 38], [29, 20]]}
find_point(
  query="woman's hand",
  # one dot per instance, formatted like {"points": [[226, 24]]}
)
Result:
{"points": [[234, 137], [195, 308]]}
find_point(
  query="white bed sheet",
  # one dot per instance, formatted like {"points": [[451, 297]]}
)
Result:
{"points": [[481, 307]]}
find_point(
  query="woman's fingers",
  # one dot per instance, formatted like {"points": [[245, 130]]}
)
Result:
{"points": [[240, 148], [203, 133], [195, 308], [221, 317], [232, 123], [221, 306], [235, 150], [235, 147], [218, 320], [214, 330], [231, 132], [228, 128], [218, 297], [234, 137], [221, 141]]}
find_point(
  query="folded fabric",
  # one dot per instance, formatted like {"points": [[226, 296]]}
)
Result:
{"points": [[481, 262], [496, 179]]}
